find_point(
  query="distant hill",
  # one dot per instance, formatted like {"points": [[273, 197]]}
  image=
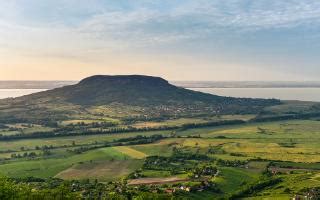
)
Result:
{"points": [[137, 90], [146, 94]]}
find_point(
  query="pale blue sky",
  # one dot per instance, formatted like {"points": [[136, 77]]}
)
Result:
{"points": [[176, 39]]}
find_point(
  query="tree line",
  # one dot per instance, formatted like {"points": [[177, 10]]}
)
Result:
{"points": [[68, 131]]}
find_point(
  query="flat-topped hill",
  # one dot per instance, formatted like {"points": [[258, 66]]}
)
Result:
{"points": [[138, 90], [149, 94]]}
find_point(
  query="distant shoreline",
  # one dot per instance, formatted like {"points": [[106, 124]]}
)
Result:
{"points": [[246, 84], [42, 85], [185, 84], [248, 87], [288, 93]]}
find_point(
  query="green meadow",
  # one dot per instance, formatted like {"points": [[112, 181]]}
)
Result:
{"points": [[242, 153]]}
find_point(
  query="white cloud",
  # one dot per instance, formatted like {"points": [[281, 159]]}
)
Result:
{"points": [[144, 23], [197, 19], [79, 30]]}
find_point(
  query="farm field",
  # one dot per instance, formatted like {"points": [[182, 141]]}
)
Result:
{"points": [[68, 141], [50, 167], [242, 154], [101, 170]]}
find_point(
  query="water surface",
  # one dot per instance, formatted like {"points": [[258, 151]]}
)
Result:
{"points": [[11, 93], [302, 94]]}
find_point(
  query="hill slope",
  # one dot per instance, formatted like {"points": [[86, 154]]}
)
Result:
{"points": [[148, 95], [130, 90], [138, 90]]}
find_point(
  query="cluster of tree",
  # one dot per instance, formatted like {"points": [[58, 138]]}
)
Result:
{"points": [[44, 147], [24, 155], [139, 139], [10, 189], [262, 118], [136, 174], [231, 163], [160, 163], [104, 124], [237, 154], [179, 155], [210, 124], [179, 162], [45, 152], [215, 150], [83, 149], [145, 118], [206, 170], [248, 190]]}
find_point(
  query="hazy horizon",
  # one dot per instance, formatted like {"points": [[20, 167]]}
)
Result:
{"points": [[171, 80], [51, 84], [303, 91], [238, 40]]}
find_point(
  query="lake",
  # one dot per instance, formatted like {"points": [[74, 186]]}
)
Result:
{"points": [[303, 94], [8, 93]]}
